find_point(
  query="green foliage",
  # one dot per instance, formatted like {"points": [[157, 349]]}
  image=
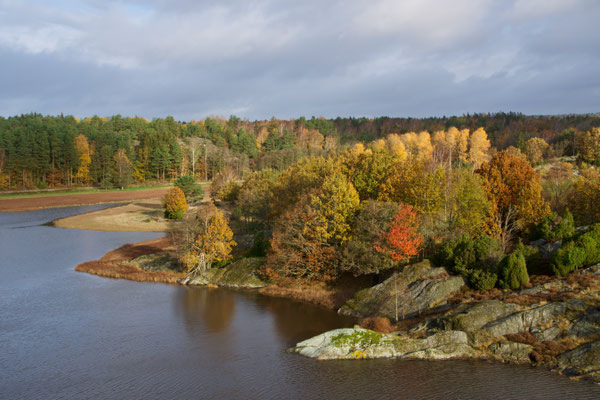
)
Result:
{"points": [[579, 253], [482, 280], [474, 259], [512, 271], [467, 253], [553, 227], [190, 188]]}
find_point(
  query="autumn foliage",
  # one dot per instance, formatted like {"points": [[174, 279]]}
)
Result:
{"points": [[174, 203], [401, 240]]}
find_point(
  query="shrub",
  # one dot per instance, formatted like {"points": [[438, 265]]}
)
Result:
{"points": [[577, 253], [553, 227], [189, 187], [482, 280], [466, 253], [174, 203], [230, 192], [512, 271]]}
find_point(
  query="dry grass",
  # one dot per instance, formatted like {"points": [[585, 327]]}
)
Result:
{"points": [[575, 285], [129, 272], [113, 264], [377, 324]]}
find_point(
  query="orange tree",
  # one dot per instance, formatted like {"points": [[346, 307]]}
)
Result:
{"points": [[513, 188], [174, 203], [401, 240]]}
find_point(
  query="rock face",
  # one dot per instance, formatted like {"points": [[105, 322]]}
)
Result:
{"points": [[238, 274], [583, 361], [561, 332], [353, 343], [419, 287]]}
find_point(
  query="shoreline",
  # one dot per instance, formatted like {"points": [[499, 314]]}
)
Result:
{"points": [[119, 263], [515, 333]]}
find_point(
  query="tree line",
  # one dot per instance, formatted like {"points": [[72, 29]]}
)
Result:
{"points": [[39, 151]]}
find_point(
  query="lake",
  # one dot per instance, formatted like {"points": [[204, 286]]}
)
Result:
{"points": [[70, 335]]}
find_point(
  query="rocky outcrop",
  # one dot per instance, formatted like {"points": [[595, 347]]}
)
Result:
{"points": [[560, 331], [354, 343], [238, 274], [418, 288]]}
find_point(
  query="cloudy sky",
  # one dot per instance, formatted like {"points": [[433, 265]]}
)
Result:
{"points": [[287, 58]]}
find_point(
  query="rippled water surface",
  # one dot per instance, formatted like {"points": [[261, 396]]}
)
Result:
{"points": [[65, 334]]}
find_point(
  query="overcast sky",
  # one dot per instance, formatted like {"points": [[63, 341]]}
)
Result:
{"points": [[287, 58]]}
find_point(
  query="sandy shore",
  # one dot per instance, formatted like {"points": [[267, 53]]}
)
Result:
{"points": [[142, 216]]}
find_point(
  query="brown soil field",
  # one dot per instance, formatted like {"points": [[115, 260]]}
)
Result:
{"points": [[34, 203], [113, 264], [141, 216]]}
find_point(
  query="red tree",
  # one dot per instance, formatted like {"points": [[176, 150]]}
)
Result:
{"points": [[401, 240]]}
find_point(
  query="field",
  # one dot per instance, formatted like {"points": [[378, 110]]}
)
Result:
{"points": [[27, 202]]}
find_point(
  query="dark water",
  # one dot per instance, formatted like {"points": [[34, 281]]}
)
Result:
{"points": [[65, 334]]}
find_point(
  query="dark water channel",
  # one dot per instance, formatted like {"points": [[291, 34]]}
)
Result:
{"points": [[69, 335]]}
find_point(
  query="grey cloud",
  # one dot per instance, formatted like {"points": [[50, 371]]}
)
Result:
{"points": [[289, 58]]}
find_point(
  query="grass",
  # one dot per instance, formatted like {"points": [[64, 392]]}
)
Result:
{"points": [[121, 263], [130, 272]]}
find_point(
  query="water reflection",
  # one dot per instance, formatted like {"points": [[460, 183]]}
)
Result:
{"points": [[295, 321], [214, 307], [213, 310]]}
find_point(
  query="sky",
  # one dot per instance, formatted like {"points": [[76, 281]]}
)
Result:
{"points": [[258, 59]]}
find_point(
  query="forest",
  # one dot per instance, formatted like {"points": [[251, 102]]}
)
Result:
{"points": [[39, 151]]}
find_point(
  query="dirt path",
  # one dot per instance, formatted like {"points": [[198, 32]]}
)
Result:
{"points": [[34, 203]]}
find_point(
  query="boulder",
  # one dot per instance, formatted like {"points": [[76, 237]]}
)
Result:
{"points": [[417, 288], [353, 343]]}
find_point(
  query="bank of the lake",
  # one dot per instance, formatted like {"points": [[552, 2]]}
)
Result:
{"points": [[66, 334], [554, 324]]}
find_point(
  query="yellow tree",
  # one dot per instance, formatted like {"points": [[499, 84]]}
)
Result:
{"points": [[214, 241], [395, 146], [535, 148], [84, 153], [588, 144], [478, 148], [335, 204], [174, 203]]}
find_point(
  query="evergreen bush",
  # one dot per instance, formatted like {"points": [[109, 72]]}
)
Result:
{"points": [[512, 271]]}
